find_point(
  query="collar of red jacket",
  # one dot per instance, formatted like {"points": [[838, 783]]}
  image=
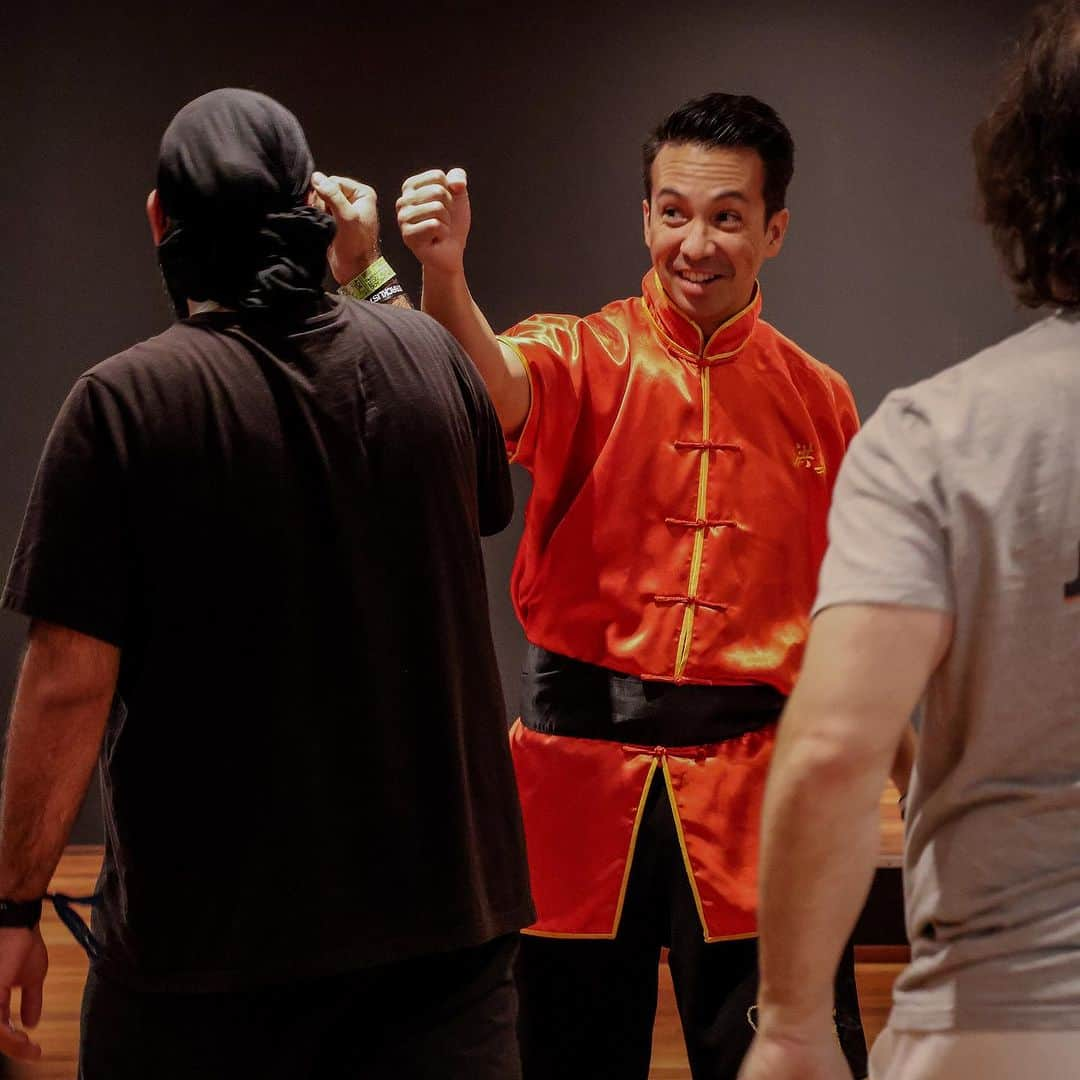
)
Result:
{"points": [[684, 336]]}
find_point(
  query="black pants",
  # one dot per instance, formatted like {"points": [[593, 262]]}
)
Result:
{"points": [[444, 1017], [588, 1007]]}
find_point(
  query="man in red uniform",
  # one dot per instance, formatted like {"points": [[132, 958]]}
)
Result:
{"points": [[683, 454]]}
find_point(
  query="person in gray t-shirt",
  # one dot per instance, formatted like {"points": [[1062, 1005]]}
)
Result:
{"points": [[953, 575]]}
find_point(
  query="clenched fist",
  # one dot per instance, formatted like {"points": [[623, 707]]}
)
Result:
{"points": [[434, 216], [354, 209]]}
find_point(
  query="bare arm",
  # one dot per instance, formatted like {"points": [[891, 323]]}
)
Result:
{"points": [[866, 666], [435, 215], [57, 723], [354, 208], [58, 720]]}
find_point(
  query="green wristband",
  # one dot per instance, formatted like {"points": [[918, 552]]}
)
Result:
{"points": [[370, 281]]}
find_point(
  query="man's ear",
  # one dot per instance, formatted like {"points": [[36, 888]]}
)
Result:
{"points": [[159, 223], [645, 218], [775, 232]]}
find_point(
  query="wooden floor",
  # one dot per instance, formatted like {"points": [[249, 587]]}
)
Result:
{"points": [[58, 1031]]}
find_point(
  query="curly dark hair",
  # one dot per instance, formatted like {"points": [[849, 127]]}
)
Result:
{"points": [[1027, 155], [716, 121]]}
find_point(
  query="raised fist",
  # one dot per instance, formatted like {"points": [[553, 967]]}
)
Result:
{"points": [[354, 209], [434, 216]]}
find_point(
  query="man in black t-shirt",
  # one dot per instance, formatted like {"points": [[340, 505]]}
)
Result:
{"points": [[252, 563]]}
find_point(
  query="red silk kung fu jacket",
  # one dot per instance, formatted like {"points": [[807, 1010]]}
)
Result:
{"points": [[675, 530]]}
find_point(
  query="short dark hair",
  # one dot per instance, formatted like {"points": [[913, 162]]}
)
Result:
{"points": [[1027, 156], [717, 121]]}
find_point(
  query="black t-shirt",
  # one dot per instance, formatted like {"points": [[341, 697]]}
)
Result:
{"points": [[306, 769]]}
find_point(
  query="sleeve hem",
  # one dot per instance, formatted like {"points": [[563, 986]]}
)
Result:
{"points": [[21, 604], [900, 596], [10, 600]]}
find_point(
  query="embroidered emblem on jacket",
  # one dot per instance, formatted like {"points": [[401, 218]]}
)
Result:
{"points": [[806, 458]]}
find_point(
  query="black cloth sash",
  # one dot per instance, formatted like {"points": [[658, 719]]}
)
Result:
{"points": [[561, 696]]}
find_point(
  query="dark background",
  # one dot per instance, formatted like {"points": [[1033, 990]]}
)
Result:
{"points": [[885, 274]]}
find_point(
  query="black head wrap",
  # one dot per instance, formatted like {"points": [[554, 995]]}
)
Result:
{"points": [[233, 175]]}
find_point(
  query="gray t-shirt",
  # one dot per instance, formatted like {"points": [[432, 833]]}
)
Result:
{"points": [[962, 494]]}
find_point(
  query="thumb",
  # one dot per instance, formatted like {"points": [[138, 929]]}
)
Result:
{"points": [[33, 984], [332, 195], [457, 181]]}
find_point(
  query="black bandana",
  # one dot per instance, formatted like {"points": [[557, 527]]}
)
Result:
{"points": [[233, 175]]}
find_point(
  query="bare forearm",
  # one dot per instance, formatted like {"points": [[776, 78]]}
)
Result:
{"points": [[57, 723], [446, 298], [813, 883], [865, 668]]}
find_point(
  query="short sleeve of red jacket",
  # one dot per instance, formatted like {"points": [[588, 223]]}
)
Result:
{"points": [[847, 415], [552, 348]]}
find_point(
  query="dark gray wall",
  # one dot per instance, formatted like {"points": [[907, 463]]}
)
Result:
{"points": [[885, 274]]}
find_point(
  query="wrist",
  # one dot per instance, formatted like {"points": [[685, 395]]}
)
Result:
{"points": [[444, 278], [444, 291], [19, 914], [375, 278], [801, 1020], [346, 271]]}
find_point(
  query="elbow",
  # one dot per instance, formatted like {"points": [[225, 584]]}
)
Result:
{"points": [[59, 695], [825, 761], [508, 410], [67, 672], [828, 762]]}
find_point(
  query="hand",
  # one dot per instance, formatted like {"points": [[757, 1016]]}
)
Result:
{"points": [[434, 216], [795, 1056], [23, 963], [355, 212]]}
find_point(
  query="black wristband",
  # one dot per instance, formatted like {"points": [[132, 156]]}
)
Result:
{"points": [[20, 914], [387, 293]]}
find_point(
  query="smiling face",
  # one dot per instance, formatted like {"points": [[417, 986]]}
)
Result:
{"points": [[706, 228]]}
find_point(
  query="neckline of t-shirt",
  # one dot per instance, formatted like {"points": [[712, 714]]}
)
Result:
{"points": [[222, 316]]}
